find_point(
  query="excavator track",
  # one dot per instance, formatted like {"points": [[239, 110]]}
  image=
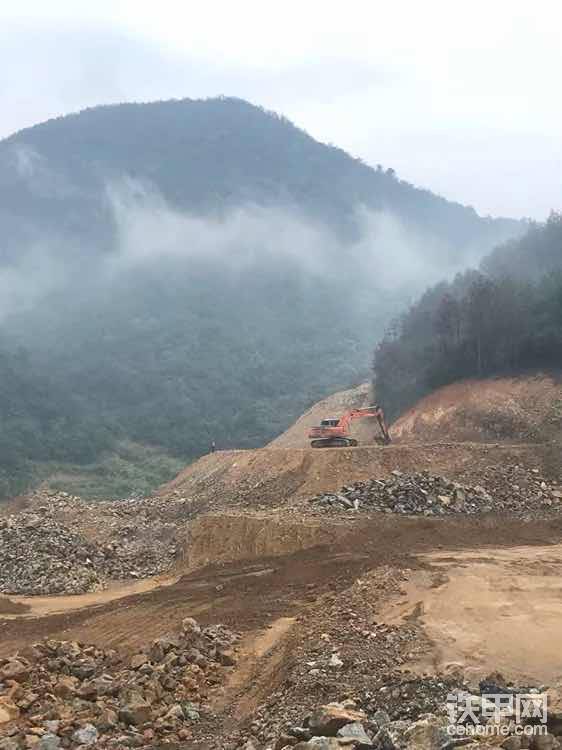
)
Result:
{"points": [[333, 443]]}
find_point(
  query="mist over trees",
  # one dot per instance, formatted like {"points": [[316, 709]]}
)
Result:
{"points": [[206, 157], [505, 317], [181, 272]]}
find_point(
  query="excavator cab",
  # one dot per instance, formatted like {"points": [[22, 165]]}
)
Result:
{"points": [[329, 422]]}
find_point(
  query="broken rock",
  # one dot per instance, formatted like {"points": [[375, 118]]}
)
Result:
{"points": [[8, 712], [327, 720], [356, 732], [88, 735]]}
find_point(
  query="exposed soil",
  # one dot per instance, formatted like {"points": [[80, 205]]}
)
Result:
{"points": [[268, 478], [336, 606], [498, 409], [479, 607], [251, 594], [12, 607]]}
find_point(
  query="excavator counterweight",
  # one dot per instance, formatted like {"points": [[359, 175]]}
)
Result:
{"points": [[334, 432]]}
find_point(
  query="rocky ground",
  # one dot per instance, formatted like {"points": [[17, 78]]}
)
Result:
{"points": [[333, 647], [509, 489], [63, 545], [506, 409], [63, 694], [347, 724], [348, 684]]}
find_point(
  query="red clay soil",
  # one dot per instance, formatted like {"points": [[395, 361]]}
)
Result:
{"points": [[517, 409]]}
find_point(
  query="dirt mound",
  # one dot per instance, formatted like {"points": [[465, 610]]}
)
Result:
{"points": [[499, 409], [62, 544], [263, 479], [363, 430]]}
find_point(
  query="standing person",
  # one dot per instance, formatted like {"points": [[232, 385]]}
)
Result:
{"points": [[213, 447]]}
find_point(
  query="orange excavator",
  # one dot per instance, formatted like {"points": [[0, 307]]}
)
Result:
{"points": [[334, 432]]}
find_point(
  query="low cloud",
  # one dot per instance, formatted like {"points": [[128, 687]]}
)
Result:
{"points": [[386, 253], [385, 256]]}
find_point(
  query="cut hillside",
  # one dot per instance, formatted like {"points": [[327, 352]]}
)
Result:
{"points": [[363, 430], [514, 409], [264, 479]]}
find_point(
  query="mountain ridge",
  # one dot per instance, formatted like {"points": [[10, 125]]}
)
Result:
{"points": [[213, 154]]}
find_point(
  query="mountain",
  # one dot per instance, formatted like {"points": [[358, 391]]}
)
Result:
{"points": [[205, 156], [179, 272]]}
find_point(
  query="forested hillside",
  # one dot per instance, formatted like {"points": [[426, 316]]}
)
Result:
{"points": [[504, 318], [187, 271]]}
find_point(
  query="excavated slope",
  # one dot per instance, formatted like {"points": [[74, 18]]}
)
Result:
{"points": [[363, 430], [516, 409], [265, 478]]}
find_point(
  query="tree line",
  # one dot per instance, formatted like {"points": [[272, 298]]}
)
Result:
{"points": [[504, 317]]}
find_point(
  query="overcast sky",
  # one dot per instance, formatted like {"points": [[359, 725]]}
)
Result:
{"points": [[460, 96]]}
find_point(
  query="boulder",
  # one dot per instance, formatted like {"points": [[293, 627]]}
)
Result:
{"points": [[391, 736], [381, 718], [190, 626], [8, 711], [49, 741], [135, 711], [226, 657], [427, 734], [326, 720], [14, 669], [335, 662], [65, 686], [175, 712], [87, 735], [356, 732], [138, 661]]}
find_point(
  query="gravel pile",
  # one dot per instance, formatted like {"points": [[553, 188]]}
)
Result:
{"points": [[511, 489], [65, 694], [41, 556], [64, 545]]}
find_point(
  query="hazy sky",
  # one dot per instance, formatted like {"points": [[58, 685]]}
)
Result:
{"points": [[460, 96]]}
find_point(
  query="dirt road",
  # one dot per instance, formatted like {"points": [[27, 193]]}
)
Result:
{"points": [[251, 594]]}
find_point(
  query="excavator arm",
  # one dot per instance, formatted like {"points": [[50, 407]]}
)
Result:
{"points": [[382, 424], [369, 411]]}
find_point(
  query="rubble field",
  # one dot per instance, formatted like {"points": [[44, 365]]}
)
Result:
{"points": [[66, 694], [504, 489], [319, 599], [61, 544], [337, 645]]}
